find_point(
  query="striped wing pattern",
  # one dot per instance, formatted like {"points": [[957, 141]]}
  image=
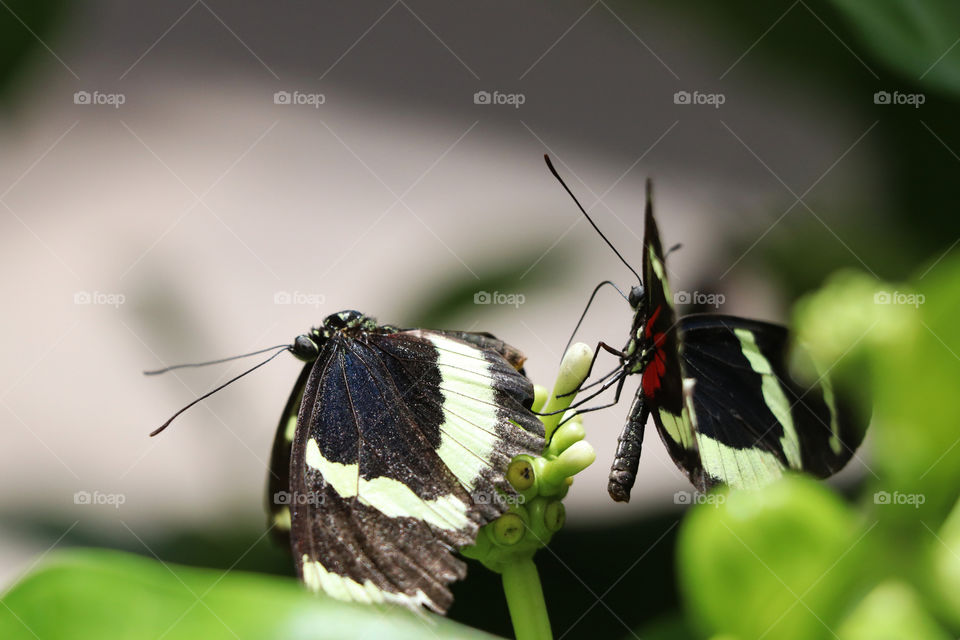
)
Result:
{"points": [[752, 419], [721, 395], [401, 440]]}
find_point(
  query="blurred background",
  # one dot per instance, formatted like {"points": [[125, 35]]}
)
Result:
{"points": [[190, 180]]}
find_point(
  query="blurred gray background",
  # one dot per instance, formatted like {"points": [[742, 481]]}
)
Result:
{"points": [[179, 208]]}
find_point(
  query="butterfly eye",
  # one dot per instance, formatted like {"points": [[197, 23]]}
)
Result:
{"points": [[636, 296], [305, 348]]}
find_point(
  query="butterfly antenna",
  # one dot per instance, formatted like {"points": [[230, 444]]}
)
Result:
{"points": [[228, 382], [156, 372], [587, 308], [587, 215]]}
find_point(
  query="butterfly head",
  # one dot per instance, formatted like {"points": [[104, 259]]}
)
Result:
{"points": [[638, 302], [307, 346]]}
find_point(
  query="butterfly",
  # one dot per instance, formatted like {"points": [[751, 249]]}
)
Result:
{"points": [[720, 389], [390, 453]]}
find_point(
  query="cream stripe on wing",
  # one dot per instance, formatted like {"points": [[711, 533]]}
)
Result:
{"points": [[773, 396], [388, 496], [739, 468], [468, 435], [317, 578]]}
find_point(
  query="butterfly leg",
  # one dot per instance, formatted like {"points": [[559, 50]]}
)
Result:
{"points": [[616, 398], [607, 383], [623, 471]]}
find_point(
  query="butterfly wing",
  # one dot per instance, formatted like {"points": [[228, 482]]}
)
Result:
{"points": [[486, 340], [278, 478], [402, 444], [752, 419], [662, 376]]}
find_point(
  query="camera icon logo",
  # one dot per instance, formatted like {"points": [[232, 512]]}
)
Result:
{"points": [[281, 97], [282, 497], [482, 297], [881, 497], [881, 297], [881, 97], [681, 297], [81, 97], [82, 297], [682, 497], [282, 297], [482, 97], [82, 497], [681, 97]]}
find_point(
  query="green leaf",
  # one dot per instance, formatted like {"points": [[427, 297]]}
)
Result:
{"points": [[776, 563], [891, 611], [100, 594], [914, 38], [945, 566], [902, 343]]}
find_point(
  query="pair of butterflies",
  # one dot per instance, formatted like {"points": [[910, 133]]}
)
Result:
{"points": [[394, 440]]}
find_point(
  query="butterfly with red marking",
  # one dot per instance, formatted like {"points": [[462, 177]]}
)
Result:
{"points": [[719, 388]]}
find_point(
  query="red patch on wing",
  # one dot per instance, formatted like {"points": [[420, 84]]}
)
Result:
{"points": [[650, 381], [648, 325]]}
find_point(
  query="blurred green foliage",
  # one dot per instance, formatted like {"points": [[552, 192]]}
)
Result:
{"points": [[23, 24], [795, 560], [94, 595], [913, 38]]}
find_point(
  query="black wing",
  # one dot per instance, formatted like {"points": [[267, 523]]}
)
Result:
{"points": [[401, 449], [662, 378], [751, 418], [278, 477]]}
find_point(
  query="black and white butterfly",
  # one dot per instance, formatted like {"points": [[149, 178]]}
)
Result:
{"points": [[720, 391], [389, 455]]}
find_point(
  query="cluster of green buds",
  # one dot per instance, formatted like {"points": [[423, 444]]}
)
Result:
{"points": [[507, 545]]}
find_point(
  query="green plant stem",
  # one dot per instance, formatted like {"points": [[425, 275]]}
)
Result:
{"points": [[528, 610]]}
